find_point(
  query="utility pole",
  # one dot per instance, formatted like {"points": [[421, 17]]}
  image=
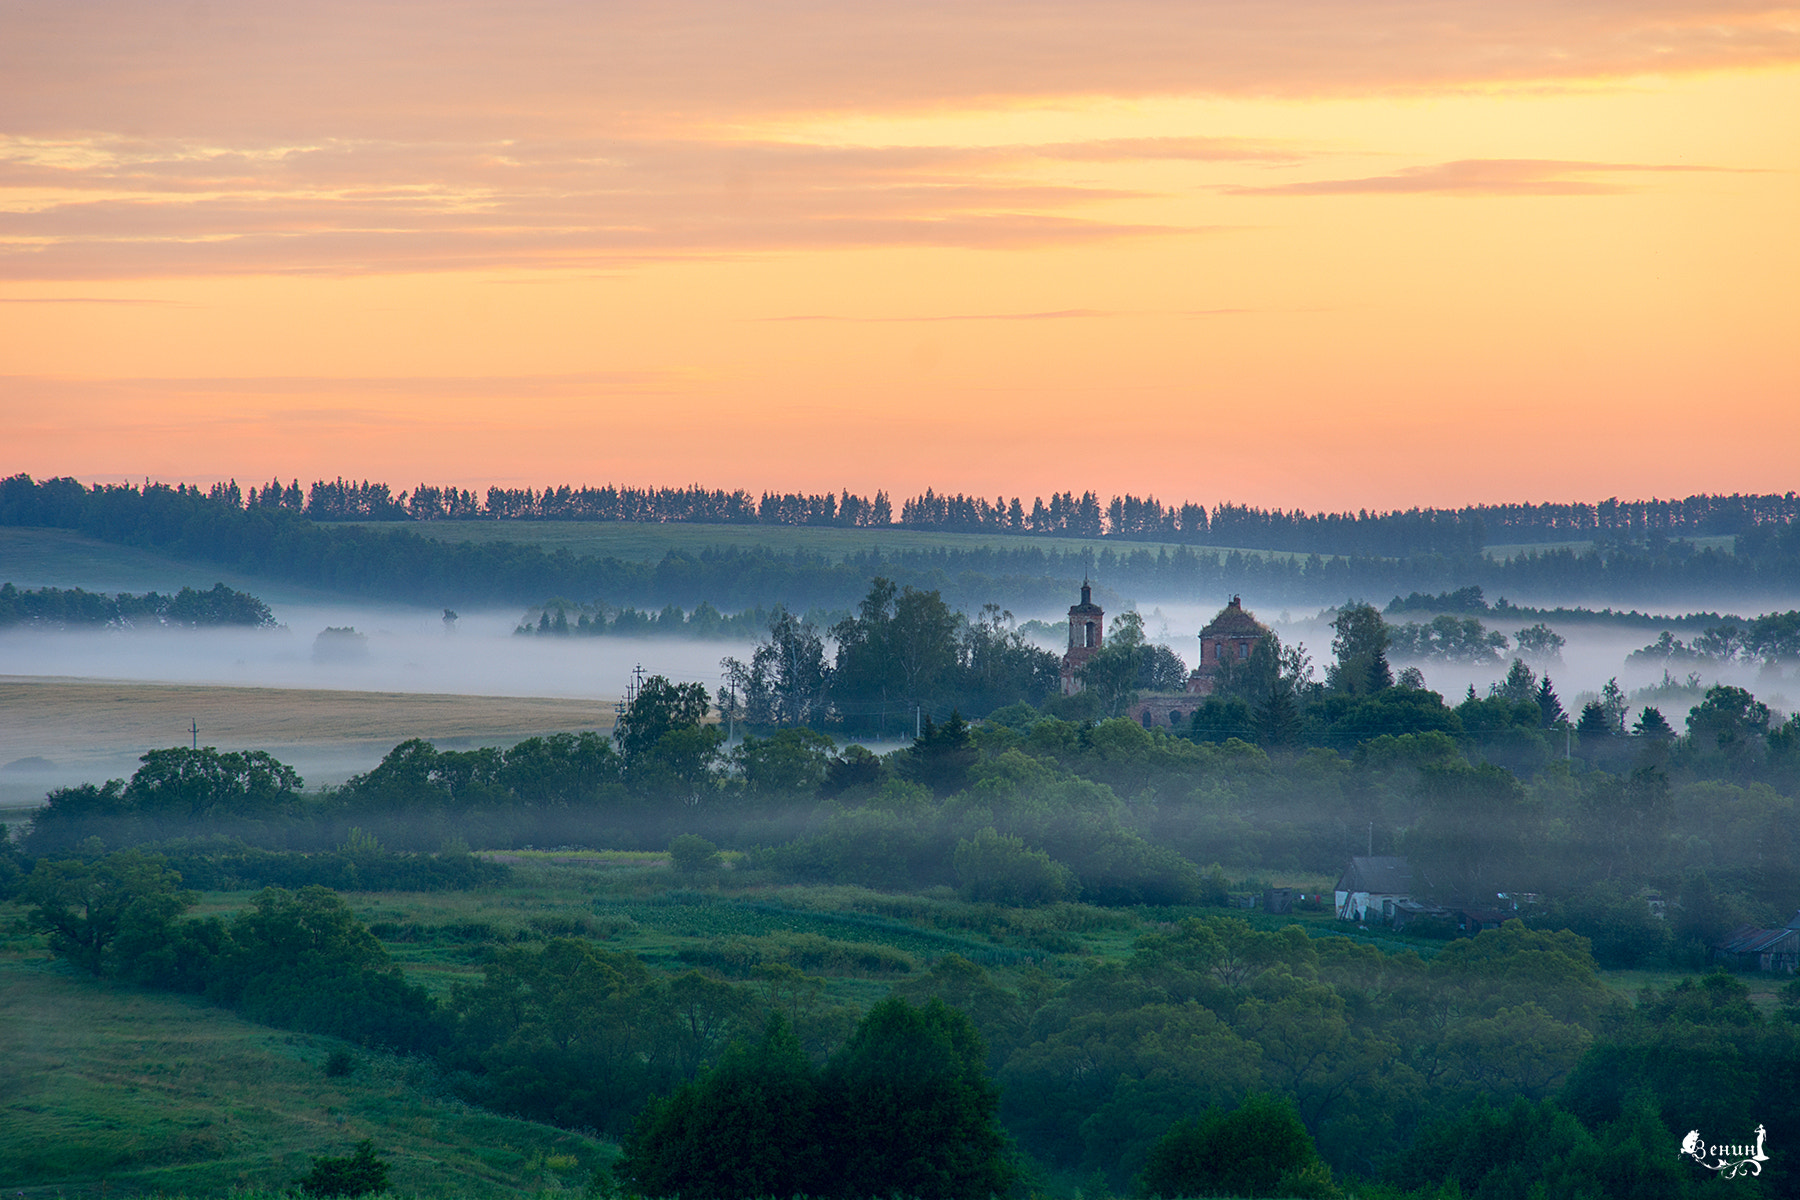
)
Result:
{"points": [[918, 727], [632, 686], [194, 729]]}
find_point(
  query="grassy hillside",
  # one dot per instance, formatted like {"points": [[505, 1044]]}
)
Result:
{"points": [[1508, 551], [105, 1090], [109, 1091], [646, 543], [33, 558]]}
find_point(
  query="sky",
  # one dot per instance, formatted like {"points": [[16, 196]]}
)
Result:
{"points": [[1328, 254]]}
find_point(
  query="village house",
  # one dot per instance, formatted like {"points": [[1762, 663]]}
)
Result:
{"points": [[1373, 888]]}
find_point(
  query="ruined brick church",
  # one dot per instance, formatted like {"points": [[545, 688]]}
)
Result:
{"points": [[1230, 636]]}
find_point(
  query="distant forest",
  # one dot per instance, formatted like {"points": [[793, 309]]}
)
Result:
{"points": [[73, 608], [1393, 534], [283, 540]]}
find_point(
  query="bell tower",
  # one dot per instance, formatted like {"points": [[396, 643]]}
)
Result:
{"points": [[1087, 632]]}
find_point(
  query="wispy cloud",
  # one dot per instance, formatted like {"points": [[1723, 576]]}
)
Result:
{"points": [[1063, 314], [83, 300], [120, 208], [389, 67], [278, 393], [1481, 177], [1067, 314], [367, 136]]}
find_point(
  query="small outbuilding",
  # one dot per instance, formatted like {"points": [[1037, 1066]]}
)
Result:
{"points": [[1408, 913]]}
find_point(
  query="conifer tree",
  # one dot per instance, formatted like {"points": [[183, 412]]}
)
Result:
{"points": [[1277, 719], [1652, 724], [1549, 705]]}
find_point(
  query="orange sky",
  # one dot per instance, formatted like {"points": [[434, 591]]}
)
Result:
{"points": [[1318, 253]]}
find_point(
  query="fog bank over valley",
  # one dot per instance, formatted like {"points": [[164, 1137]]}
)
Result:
{"points": [[406, 650], [1595, 651], [83, 706]]}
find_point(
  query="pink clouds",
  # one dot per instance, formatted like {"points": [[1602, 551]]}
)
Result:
{"points": [[409, 68], [145, 140], [401, 232], [1480, 177], [119, 208]]}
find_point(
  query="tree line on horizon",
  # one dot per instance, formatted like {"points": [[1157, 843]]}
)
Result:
{"points": [[281, 541], [1415, 530]]}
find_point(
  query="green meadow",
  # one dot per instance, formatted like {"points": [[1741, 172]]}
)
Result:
{"points": [[1506, 552], [634, 542], [111, 1090], [107, 1089], [33, 558]]}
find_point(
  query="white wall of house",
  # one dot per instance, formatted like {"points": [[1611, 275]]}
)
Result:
{"points": [[1353, 906]]}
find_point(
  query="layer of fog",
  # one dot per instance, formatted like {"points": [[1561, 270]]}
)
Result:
{"points": [[406, 650], [24, 782], [415, 651], [1595, 652]]}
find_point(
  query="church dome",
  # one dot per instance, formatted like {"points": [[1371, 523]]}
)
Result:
{"points": [[1234, 621]]}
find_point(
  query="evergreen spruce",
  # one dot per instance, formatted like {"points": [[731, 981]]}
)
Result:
{"points": [[1652, 724], [1549, 705], [1277, 719]]}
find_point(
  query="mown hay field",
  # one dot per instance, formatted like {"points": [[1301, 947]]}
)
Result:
{"points": [[57, 731]]}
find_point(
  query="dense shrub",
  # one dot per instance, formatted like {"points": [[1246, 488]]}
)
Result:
{"points": [[1259, 1148], [1003, 870], [691, 854], [904, 1108], [359, 1174]]}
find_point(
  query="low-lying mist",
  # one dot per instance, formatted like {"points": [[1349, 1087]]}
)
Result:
{"points": [[86, 735], [406, 650], [1595, 650]]}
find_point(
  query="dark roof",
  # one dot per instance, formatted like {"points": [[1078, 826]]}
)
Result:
{"points": [[1232, 621], [1381, 875], [1087, 605], [1419, 908], [1748, 939]]}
